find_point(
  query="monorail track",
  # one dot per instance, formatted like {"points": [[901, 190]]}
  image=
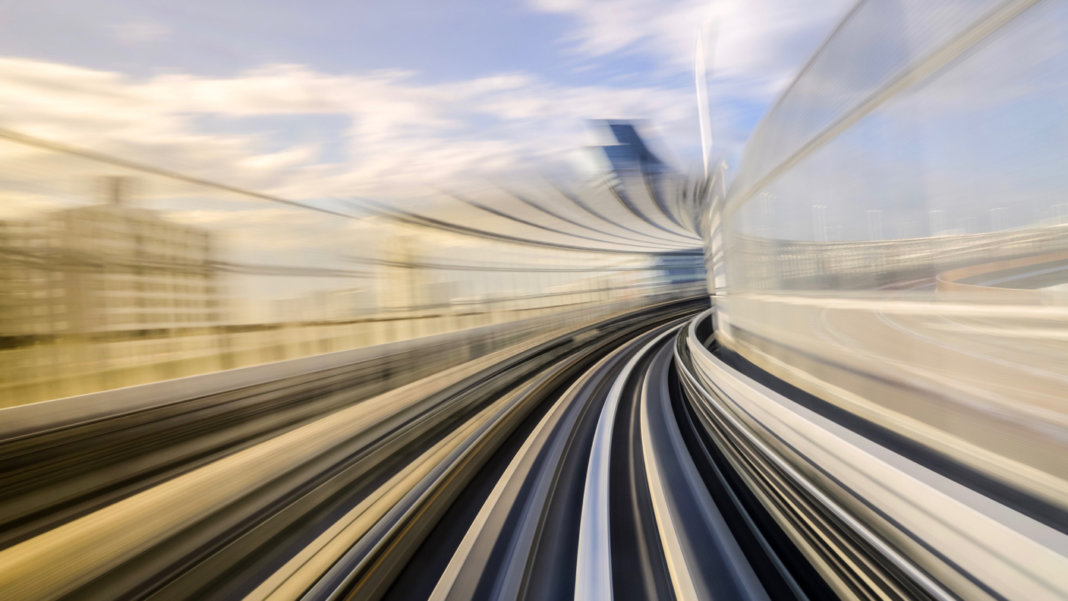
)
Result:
{"points": [[611, 462]]}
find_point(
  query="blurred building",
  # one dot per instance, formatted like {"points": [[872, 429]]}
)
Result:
{"points": [[401, 282], [326, 305], [680, 267], [628, 151], [636, 175], [107, 268]]}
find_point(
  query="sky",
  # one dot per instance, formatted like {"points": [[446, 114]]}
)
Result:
{"points": [[313, 99]]}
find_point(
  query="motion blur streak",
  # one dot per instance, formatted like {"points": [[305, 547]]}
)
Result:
{"points": [[519, 388], [889, 313]]}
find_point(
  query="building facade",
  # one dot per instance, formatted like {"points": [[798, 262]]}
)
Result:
{"points": [[104, 269]]}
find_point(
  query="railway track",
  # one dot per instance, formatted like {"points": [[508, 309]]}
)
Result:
{"points": [[621, 460]]}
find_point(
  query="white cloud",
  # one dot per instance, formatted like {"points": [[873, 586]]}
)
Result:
{"points": [[397, 134], [755, 46], [754, 38]]}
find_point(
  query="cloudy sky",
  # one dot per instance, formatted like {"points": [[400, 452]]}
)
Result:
{"points": [[346, 98]]}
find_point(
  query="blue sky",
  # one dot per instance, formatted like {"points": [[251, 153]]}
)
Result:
{"points": [[378, 97]]}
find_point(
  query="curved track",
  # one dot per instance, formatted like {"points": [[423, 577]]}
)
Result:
{"points": [[475, 481], [612, 462]]}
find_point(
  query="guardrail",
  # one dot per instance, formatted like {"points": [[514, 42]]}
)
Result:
{"points": [[873, 512]]}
